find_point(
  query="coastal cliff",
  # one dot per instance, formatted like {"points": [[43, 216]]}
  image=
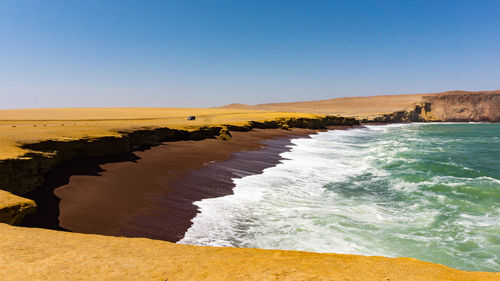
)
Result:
{"points": [[448, 107], [24, 174], [463, 107]]}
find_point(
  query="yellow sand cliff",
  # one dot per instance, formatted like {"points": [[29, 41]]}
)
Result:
{"points": [[22, 126], [34, 254]]}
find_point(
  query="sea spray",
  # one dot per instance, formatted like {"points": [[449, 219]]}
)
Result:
{"points": [[427, 191]]}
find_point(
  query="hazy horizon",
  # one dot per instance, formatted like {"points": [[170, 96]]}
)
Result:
{"points": [[213, 53]]}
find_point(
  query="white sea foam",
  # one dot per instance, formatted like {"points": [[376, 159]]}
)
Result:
{"points": [[355, 191]]}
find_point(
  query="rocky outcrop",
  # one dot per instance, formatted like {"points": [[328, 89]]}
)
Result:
{"points": [[468, 107], [307, 123], [417, 114], [22, 175], [14, 208], [451, 107], [224, 134]]}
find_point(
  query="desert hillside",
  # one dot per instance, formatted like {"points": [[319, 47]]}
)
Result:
{"points": [[361, 107]]}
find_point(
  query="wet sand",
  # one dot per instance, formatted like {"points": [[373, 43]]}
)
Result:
{"points": [[150, 193]]}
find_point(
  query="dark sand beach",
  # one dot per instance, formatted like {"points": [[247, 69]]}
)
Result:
{"points": [[150, 193], [250, 140]]}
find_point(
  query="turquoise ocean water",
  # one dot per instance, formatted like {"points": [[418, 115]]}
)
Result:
{"points": [[427, 191]]}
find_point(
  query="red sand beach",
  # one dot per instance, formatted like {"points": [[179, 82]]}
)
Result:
{"points": [[150, 193]]}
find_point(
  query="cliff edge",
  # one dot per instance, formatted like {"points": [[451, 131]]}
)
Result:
{"points": [[457, 106], [463, 106], [40, 254]]}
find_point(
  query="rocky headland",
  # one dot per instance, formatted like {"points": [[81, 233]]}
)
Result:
{"points": [[448, 107]]}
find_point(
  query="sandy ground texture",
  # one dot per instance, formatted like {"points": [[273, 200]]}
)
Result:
{"points": [[40, 254], [21, 126], [361, 107]]}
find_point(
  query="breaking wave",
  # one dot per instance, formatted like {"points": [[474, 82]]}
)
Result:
{"points": [[427, 191]]}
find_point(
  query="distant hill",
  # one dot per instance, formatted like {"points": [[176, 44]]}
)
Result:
{"points": [[364, 107]]}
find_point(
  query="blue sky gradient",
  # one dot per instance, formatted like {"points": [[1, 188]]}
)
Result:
{"points": [[208, 53]]}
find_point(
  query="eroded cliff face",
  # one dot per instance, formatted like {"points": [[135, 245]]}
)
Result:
{"points": [[417, 113], [451, 107], [469, 107], [20, 176]]}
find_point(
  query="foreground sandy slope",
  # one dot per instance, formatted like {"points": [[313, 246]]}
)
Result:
{"points": [[23, 126], [34, 254]]}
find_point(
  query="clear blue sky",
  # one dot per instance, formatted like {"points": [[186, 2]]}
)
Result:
{"points": [[207, 53]]}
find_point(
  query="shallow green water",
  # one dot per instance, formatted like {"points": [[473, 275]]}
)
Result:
{"points": [[428, 191]]}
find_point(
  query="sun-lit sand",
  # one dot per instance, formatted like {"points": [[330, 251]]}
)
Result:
{"points": [[23, 126], [30, 253], [362, 107]]}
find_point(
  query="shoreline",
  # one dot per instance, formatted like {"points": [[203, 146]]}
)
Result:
{"points": [[174, 210], [51, 247], [150, 193], [33, 147]]}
